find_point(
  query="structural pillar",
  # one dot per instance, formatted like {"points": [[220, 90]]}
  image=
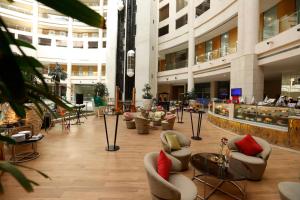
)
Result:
{"points": [[35, 11], [69, 59], [245, 72], [191, 45], [111, 55], [213, 89]]}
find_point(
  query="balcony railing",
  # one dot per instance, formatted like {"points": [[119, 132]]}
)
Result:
{"points": [[59, 18], [15, 8], [215, 54], [172, 66], [280, 25]]}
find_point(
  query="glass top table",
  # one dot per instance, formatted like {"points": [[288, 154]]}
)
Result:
{"points": [[205, 165]]}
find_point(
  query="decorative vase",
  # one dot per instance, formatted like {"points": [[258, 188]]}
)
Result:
{"points": [[147, 104]]}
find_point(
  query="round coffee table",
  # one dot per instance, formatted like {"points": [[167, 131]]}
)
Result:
{"points": [[25, 156], [204, 165]]}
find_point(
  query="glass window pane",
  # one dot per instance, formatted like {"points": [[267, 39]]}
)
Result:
{"points": [[271, 27]]}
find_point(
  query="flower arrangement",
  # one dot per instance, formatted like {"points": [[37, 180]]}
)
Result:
{"points": [[222, 157]]}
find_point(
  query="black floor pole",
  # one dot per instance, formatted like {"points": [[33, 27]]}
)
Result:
{"points": [[106, 131], [116, 130], [181, 114], [192, 123]]}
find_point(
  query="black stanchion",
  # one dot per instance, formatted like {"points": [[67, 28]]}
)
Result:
{"points": [[200, 113], [179, 117], [111, 147]]}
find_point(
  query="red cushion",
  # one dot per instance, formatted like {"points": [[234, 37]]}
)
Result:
{"points": [[248, 146], [164, 165]]}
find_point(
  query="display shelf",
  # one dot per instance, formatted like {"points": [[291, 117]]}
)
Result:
{"points": [[222, 109], [264, 114]]}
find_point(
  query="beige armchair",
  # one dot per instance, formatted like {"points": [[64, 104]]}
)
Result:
{"points": [[289, 190], [184, 153], [253, 167], [129, 119], [168, 123], [178, 187], [142, 125]]}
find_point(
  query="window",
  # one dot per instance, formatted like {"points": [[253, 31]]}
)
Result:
{"points": [[208, 49], [61, 43], [224, 44], [176, 60], [202, 8], [104, 33], [45, 41], [105, 2], [163, 31], [93, 45], [181, 21], [78, 44], [25, 38], [271, 27], [104, 44], [164, 13], [103, 70], [181, 4]]}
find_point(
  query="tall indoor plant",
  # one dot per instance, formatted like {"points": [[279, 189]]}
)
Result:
{"points": [[147, 97], [57, 74], [100, 93], [17, 72]]}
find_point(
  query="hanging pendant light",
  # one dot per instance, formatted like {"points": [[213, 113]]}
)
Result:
{"points": [[130, 63]]}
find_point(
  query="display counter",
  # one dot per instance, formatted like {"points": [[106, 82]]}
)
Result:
{"points": [[271, 123], [222, 109]]}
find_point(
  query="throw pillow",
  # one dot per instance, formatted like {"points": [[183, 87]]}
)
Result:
{"points": [[173, 141], [248, 146], [164, 165]]}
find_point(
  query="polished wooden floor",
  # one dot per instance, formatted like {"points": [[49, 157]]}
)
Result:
{"points": [[80, 168]]}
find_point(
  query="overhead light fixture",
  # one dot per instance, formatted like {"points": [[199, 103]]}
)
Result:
{"points": [[120, 5]]}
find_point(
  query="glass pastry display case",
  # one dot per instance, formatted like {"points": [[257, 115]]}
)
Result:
{"points": [[222, 109], [263, 114]]}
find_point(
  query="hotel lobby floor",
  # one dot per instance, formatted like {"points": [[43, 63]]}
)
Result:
{"points": [[80, 168]]}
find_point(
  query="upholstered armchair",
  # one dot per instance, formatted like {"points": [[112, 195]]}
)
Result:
{"points": [[168, 123], [253, 167], [129, 119], [178, 187], [184, 153], [289, 190], [142, 125], [157, 117]]}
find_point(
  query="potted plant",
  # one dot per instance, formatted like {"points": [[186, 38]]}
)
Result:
{"points": [[147, 97]]}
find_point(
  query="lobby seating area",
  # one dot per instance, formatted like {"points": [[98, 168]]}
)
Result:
{"points": [[80, 167]]}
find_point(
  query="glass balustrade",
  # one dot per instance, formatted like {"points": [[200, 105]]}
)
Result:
{"points": [[177, 65], [276, 26], [215, 54]]}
